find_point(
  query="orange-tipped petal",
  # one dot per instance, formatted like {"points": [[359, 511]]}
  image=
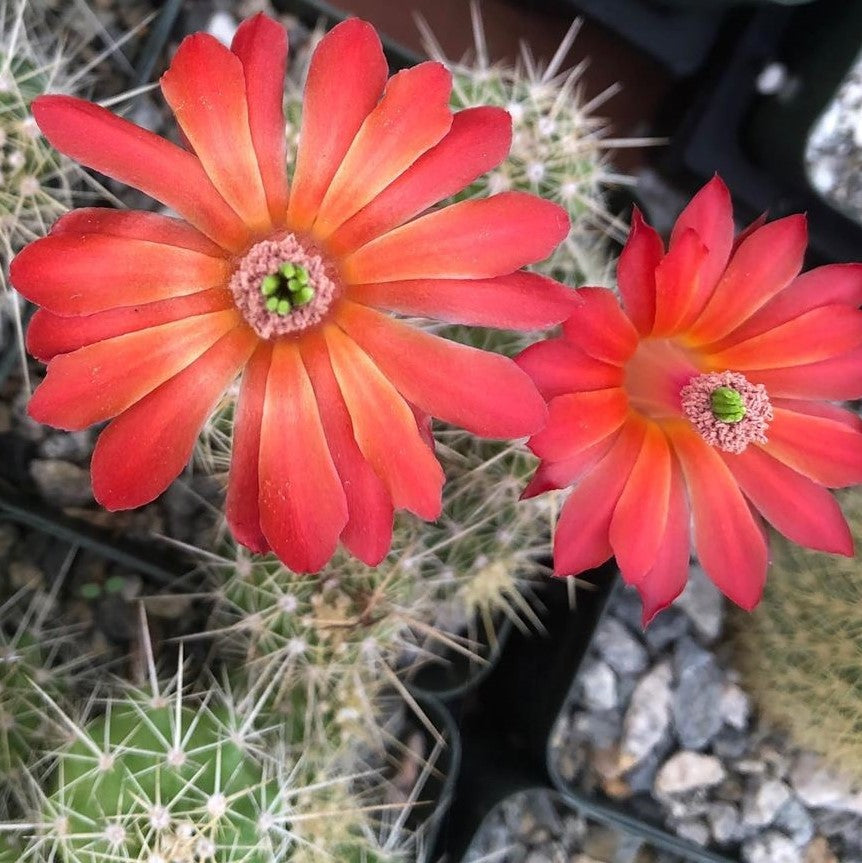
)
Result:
{"points": [[482, 392], [261, 45], [802, 510], [469, 240], [132, 155], [834, 284], [552, 475], [478, 141], [637, 531], [49, 335], [137, 225], [102, 380], [144, 449], [581, 536], [520, 301], [763, 265], [710, 215], [666, 580], [412, 117], [599, 326], [816, 335], [345, 80], [837, 378], [557, 366], [80, 274], [636, 272], [825, 449], [577, 421], [368, 532], [302, 505], [729, 541], [242, 506], [385, 429], [205, 87], [678, 282]]}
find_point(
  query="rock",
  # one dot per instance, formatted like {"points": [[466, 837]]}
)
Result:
{"points": [[627, 607], [730, 744], [686, 772], [795, 820], [223, 26], [818, 851], [760, 808], [598, 685], [619, 648], [694, 830], [601, 729], [697, 699], [770, 848], [724, 823], [704, 605], [70, 446], [819, 787], [647, 719], [61, 482], [735, 707], [667, 627]]}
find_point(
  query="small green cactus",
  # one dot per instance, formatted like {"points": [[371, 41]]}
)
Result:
{"points": [[800, 649]]}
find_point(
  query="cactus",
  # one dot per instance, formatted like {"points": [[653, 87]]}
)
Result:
{"points": [[800, 649]]}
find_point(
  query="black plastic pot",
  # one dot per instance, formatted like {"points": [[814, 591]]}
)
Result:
{"points": [[754, 141]]}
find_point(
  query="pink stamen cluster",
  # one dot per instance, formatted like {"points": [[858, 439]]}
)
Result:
{"points": [[264, 259], [731, 437]]}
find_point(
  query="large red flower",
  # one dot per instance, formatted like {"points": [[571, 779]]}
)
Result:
{"points": [[146, 319], [701, 403]]}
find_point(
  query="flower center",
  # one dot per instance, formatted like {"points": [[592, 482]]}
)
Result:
{"points": [[727, 409], [283, 285]]}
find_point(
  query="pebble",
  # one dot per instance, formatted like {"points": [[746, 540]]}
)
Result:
{"points": [[619, 648], [686, 771], [599, 685], [695, 830], [697, 699], [666, 628], [724, 822], [796, 822], [647, 719], [818, 851], [770, 848], [760, 808], [223, 26], [819, 787], [735, 707], [703, 603], [61, 482]]}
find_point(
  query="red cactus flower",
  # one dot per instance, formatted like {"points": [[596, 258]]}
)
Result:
{"points": [[146, 320], [702, 404]]}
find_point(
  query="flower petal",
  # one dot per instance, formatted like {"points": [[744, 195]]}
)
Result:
{"points": [[302, 505], [482, 392], [242, 506], [837, 378], [49, 335], [520, 301], [762, 266], [368, 533], [469, 240], [477, 141], [79, 274], [145, 448], [127, 153], [137, 225], [385, 429], [834, 284], [557, 366], [599, 326], [581, 537], [205, 87], [667, 578], [828, 451], [102, 380], [345, 79], [637, 531], [579, 420], [678, 282], [412, 117], [802, 510], [552, 475], [710, 215], [729, 541], [643, 252], [261, 45]]}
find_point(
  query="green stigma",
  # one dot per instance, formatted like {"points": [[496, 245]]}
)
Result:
{"points": [[287, 288], [727, 405]]}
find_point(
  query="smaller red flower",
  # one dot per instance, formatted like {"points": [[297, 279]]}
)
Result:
{"points": [[702, 404]]}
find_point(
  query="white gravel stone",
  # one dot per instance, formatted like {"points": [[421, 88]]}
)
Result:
{"points": [[735, 707], [648, 716], [771, 848], [704, 605], [598, 685], [761, 807], [819, 787], [686, 772], [619, 648]]}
